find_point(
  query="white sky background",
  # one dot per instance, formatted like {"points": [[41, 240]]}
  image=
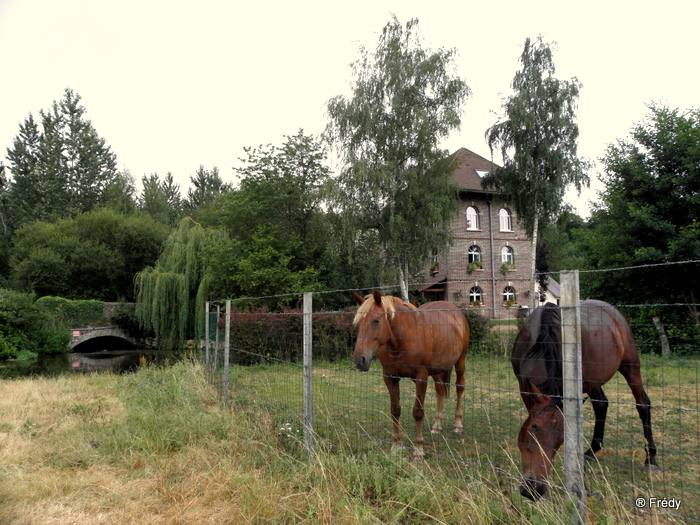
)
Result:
{"points": [[171, 85]]}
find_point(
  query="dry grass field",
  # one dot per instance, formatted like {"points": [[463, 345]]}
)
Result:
{"points": [[157, 447]]}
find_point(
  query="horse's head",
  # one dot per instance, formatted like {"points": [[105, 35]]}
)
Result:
{"points": [[373, 328], [540, 437]]}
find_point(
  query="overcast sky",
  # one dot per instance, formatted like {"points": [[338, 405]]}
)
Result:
{"points": [[171, 85]]}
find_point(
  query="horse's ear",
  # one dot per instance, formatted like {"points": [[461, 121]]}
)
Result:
{"points": [[358, 298], [377, 297]]}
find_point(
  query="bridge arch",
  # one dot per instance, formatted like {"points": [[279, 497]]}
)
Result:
{"points": [[95, 339]]}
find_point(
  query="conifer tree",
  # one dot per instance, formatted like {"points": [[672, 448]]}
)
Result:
{"points": [[161, 199], [60, 166]]}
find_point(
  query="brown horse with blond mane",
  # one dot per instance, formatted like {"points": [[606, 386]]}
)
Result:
{"points": [[414, 343]]}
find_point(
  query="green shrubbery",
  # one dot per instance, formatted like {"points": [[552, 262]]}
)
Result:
{"points": [[261, 335], [127, 319], [682, 333], [278, 335], [478, 330], [26, 329], [73, 314], [93, 255]]}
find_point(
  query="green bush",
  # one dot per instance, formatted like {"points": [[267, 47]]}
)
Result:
{"points": [[9, 346], [258, 336], [26, 329], [334, 335], [478, 330], [682, 332], [53, 340], [73, 314], [92, 256], [126, 318]]}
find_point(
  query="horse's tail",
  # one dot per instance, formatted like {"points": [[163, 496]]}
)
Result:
{"points": [[446, 380], [467, 336]]}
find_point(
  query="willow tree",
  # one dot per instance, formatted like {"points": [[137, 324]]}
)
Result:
{"points": [[538, 141], [170, 296], [397, 181]]}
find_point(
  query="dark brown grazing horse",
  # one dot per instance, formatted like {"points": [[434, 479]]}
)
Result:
{"points": [[416, 344], [607, 346]]}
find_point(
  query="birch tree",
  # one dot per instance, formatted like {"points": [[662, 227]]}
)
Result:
{"points": [[538, 139], [396, 180]]}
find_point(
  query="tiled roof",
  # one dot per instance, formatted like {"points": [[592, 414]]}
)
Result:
{"points": [[553, 287], [466, 175]]}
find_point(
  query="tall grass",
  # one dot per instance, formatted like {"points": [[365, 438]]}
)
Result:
{"points": [[157, 447]]}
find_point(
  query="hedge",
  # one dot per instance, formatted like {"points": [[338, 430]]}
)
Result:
{"points": [[74, 314]]}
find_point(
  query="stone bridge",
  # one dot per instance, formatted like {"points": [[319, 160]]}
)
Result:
{"points": [[96, 339]]}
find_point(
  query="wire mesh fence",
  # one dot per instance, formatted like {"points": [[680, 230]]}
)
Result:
{"points": [[351, 410]]}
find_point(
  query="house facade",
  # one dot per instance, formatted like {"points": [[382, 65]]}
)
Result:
{"points": [[488, 265]]}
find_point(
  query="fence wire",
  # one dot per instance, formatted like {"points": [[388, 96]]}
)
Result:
{"points": [[351, 409]]}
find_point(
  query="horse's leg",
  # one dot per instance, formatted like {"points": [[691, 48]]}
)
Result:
{"points": [[633, 376], [440, 394], [459, 367], [600, 409], [418, 413], [392, 384]]}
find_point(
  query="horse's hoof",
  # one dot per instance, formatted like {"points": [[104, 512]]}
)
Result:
{"points": [[436, 431], [457, 430], [651, 468], [418, 457]]}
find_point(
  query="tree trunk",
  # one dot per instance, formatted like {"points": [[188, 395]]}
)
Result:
{"points": [[403, 281], [665, 348], [533, 268]]}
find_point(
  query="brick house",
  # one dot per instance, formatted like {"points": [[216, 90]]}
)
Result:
{"points": [[488, 265]]}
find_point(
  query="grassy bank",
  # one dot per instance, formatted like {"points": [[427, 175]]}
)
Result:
{"points": [[351, 414], [156, 447]]}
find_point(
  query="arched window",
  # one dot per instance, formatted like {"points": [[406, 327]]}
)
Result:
{"points": [[507, 255], [476, 295], [509, 295], [474, 254], [472, 218], [504, 220]]}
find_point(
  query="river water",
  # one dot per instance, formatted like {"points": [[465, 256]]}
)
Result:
{"points": [[115, 361]]}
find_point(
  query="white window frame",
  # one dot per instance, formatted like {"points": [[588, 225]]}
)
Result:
{"points": [[476, 294], [509, 294], [505, 222], [472, 218], [474, 254], [507, 255]]}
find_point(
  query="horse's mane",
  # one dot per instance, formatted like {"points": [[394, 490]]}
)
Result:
{"points": [[546, 349], [388, 306]]}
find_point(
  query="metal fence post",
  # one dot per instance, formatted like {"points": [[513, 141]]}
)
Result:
{"points": [[308, 374], [217, 343], [573, 397], [207, 367], [227, 341]]}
